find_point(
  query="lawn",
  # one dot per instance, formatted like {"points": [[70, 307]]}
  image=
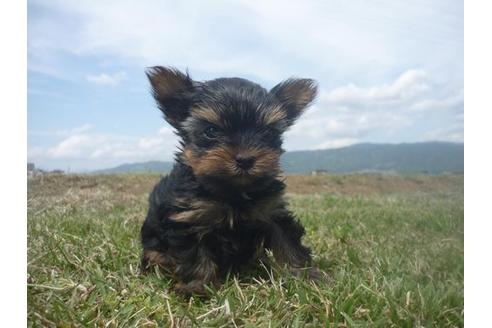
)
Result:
{"points": [[392, 247]]}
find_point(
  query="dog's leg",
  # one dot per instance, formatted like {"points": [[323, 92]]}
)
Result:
{"points": [[198, 272], [285, 242], [152, 257]]}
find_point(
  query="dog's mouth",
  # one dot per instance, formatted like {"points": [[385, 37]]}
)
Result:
{"points": [[242, 173], [237, 177], [243, 177]]}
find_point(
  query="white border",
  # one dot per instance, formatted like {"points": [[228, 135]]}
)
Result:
{"points": [[13, 127], [478, 164]]}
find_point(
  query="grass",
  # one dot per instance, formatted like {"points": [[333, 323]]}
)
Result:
{"points": [[392, 245]]}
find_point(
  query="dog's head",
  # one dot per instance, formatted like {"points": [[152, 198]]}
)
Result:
{"points": [[231, 128]]}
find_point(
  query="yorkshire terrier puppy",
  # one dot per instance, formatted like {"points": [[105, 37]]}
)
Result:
{"points": [[222, 204]]}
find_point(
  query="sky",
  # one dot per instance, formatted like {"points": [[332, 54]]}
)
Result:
{"points": [[388, 71]]}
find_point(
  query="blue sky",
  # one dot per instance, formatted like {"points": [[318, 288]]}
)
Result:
{"points": [[389, 71]]}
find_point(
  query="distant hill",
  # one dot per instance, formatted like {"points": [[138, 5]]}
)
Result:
{"points": [[152, 166], [426, 157]]}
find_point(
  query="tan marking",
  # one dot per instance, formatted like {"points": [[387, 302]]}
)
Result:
{"points": [[190, 158], [208, 115], [186, 216], [267, 161], [199, 210], [275, 115], [157, 258], [221, 160], [216, 160], [300, 92], [211, 212]]}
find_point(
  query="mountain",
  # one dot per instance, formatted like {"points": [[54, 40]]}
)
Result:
{"points": [[152, 166], [426, 157]]}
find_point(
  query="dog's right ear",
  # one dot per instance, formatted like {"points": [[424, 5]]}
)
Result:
{"points": [[172, 91]]}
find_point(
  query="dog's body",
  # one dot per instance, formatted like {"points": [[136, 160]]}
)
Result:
{"points": [[222, 205]]}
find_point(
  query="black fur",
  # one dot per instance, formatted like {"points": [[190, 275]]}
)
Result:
{"points": [[210, 215]]}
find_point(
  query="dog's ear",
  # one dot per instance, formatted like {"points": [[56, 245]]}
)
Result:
{"points": [[295, 95], [172, 91]]}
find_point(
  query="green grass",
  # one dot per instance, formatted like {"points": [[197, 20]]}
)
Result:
{"points": [[394, 259]]}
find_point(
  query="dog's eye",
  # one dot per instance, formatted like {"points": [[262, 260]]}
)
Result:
{"points": [[211, 132]]}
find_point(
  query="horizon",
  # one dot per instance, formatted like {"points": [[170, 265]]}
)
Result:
{"points": [[389, 72], [171, 161]]}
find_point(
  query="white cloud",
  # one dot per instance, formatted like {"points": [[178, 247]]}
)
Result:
{"points": [[446, 103], [148, 143], [352, 113], [71, 147], [337, 143], [269, 38], [96, 150], [107, 79], [408, 85]]}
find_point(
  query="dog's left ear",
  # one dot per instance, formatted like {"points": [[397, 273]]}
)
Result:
{"points": [[295, 95], [171, 89]]}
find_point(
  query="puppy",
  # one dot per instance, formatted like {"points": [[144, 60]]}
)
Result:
{"points": [[222, 204]]}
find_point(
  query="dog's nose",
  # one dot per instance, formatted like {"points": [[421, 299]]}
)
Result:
{"points": [[245, 161]]}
